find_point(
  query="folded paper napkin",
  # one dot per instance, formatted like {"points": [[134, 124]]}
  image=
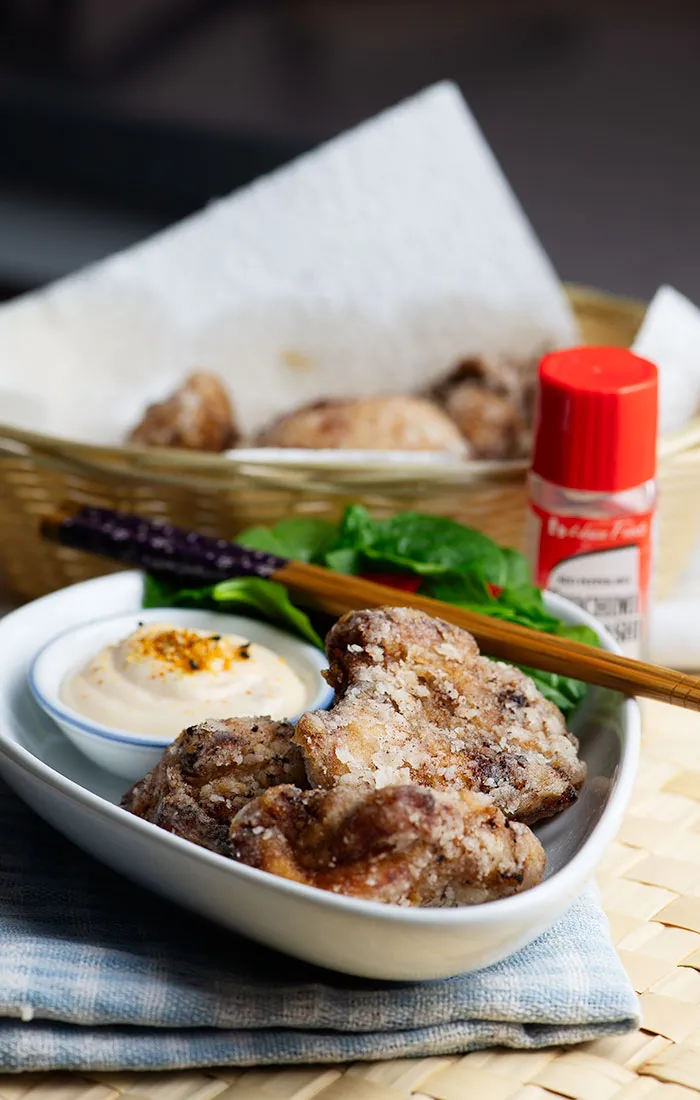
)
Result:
{"points": [[97, 974]]}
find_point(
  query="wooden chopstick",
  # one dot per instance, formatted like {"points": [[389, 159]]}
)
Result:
{"points": [[337, 593]]}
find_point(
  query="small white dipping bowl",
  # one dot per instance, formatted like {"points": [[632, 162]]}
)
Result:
{"points": [[131, 755]]}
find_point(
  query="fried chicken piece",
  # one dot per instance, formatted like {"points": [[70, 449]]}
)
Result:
{"points": [[367, 423], [405, 845], [415, 703], [210, 771], [487, 402], [198, 416], [490, 422], [497, 376]]}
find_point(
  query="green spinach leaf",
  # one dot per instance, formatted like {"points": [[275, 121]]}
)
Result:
{"points": [[270, 600], [302, 538], [427, 545]]}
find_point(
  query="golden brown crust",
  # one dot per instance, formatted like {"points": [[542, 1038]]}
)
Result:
{"points": [[497, 377], [371, 423], [416, 704], [210, 771], [491, 423], [198, 416], [488, 403], [404, 845]]}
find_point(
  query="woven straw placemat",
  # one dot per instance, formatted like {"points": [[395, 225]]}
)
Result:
{"points": [[650, 881]]}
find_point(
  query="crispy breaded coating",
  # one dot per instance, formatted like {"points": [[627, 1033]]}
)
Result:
{"points": [[416, 704], [367, 423], [404, 845], [490, 422], [198, 416], [487, 402], [496, 376], [210, 771]]}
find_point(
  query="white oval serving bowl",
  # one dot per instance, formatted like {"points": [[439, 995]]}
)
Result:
{"points": [[358, 937], [131, 755]]}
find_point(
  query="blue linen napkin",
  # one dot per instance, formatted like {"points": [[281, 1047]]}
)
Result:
{"points": [[97, 974]]}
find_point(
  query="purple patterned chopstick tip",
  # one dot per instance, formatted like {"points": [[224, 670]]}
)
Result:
{"points": [[159, 547]]}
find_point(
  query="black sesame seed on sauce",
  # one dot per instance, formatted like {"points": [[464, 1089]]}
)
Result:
{"points": [[183, 650]]}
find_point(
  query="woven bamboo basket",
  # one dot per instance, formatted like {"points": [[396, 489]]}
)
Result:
{"points": [[221, 496]]}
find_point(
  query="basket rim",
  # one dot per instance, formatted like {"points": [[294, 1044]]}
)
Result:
{"points": [[197, 467]]}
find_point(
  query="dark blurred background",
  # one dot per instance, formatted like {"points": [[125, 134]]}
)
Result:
{"points": [[120, 116]]}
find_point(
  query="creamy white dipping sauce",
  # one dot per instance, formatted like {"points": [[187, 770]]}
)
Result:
{"points": [[163, 678]]}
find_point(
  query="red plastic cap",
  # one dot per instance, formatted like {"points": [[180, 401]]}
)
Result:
{"points": [[596, 419]]}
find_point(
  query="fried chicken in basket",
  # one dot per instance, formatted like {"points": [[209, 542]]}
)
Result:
{"points": [[198, 416], [210, 771], [416, 704], [405, 845], [399, 423], [489, 403]]}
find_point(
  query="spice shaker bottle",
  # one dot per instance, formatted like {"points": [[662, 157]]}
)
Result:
{"points": [[592, 485]]}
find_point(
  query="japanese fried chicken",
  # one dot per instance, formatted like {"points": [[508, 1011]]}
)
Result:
{"points": [[415, 788], [367, 423], [210, 772], [488, 421], [416, 704], [489, 404], [406, 845], [198, 416]]}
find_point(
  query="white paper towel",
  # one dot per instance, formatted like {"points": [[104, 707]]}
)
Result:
{"points": [[674, 634], [670, 337], [370, 265]]}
